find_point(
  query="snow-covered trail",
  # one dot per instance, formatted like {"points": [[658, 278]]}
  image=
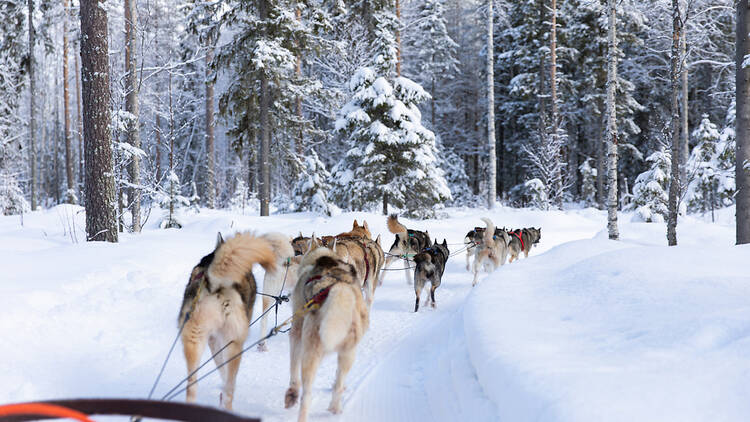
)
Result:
{"points": [[96, 320], [93, 319]]}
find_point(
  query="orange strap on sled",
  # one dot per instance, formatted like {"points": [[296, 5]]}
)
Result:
{"points": [[43, 409]]}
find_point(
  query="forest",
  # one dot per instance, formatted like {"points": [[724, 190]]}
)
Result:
{"points": [[136, 108]]}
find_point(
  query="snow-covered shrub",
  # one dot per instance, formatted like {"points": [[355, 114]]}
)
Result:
{"points": [[311, 191], [11, 196], [390, 152], [243, 198], [650, 190], [588, 182], [529, 193]]}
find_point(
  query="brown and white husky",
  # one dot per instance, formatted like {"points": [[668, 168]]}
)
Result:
{"points": [[218, 304], [336, 326]]}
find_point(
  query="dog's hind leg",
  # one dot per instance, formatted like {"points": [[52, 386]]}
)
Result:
{"points": [[346, 359], [193, 343], [213, 344], [408, 272], [233, 366], [264, 323], [468, 260], [295, 348], [311, 355]]}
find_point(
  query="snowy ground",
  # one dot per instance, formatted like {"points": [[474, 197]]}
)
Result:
{"points": [[586, 329]]}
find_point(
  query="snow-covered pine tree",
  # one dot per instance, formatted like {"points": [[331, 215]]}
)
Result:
{"points": [[650, 190], [267, 39], [455, 175], [311, 191], [390, 153], [433, 52], [709, 168], [588, 182], [701, 170], [13, 69], [11, 196]]}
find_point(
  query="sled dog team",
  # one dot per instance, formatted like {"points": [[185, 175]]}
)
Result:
{"points": [[333, 281]]}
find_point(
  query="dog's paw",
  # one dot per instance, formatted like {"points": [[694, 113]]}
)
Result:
{"points": [[433, 305], [335, 408], [290, 399], [262, 347]]}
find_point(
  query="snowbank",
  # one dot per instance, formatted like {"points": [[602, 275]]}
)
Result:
{"points": [[600, 330]]}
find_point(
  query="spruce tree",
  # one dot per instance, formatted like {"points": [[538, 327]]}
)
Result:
{"points": [[311, 191], [390, 152], [650, 190]]}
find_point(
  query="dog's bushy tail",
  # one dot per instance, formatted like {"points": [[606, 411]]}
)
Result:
{"points": [[394, 226], [236, 256], [489, 233]]}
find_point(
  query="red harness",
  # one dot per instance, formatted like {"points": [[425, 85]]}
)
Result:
{"points": [[519, 234], [322, 295]]}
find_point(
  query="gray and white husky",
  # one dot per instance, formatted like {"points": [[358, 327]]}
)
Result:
{"points": [[430, 265]]}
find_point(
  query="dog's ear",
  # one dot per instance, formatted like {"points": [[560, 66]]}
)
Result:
{"points": [[300, 233], [219, 240], [333, 247], [311, 243], [445, 242], [378, 240], [365, 225], [355, 225]]}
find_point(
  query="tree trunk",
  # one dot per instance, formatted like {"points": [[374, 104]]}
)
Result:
{"points": [[612, 122], [674, 184], [210, 124], [684, 134], [131, 105], [70, 194], [385, 203], [265, 166], [553, 90], [398, 38], [172, 190], [542, 73], [600, 146], [298, 100], [32, 107], [492, 155], [79, 110], [100, 183], [158, 146], [742, 82]]}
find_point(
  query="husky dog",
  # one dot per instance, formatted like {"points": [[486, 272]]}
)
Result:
{"points": [[285, 276], [493, 250], [336, 326], [430, 266], [523, 240], [474, 238], [362, 231], [218, 304], [366, 256], [408, 242]]}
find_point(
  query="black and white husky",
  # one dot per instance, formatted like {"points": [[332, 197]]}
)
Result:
{"points": [[407, 244], [430, 265]]}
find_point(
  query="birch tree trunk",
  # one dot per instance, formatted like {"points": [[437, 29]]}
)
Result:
{"points": [[265, 166], [674, 184], [210, 124], [742, 81], [131, 105], [298, 101], [557, 176], [70, 193], [684, 134], [100, 183], [398, 38], [612, 121], [492, 182], [32, 106]]}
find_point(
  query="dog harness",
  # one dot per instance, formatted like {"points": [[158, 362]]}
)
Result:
{"points": [[518, 234], [321, 296]]}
